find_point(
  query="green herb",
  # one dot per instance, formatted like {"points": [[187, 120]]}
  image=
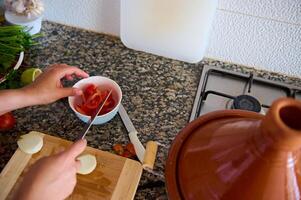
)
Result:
{"points": [[13, 40], [12, 80]]}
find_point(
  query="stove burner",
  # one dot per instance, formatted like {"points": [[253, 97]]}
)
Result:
{"points": [[246, 102], [221, 84]]}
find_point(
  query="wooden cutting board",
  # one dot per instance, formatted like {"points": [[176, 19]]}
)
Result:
{"points": [[115, 177]]}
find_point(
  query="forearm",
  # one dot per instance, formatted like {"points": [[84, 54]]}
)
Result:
{"points": [[14, 99]]}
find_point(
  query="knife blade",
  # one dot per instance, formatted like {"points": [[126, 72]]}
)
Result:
{"points": [[139, 148], [93, 117]]}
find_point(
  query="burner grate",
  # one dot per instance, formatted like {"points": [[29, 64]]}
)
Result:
{"points": [[231, 86]]}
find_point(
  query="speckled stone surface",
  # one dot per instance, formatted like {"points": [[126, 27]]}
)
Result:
{"points": [[158, 94]]}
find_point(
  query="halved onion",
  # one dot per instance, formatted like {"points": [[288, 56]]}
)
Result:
{"points": [[30, 143], [88, 164]]}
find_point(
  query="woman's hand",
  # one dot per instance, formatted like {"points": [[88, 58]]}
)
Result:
{"points": [[53, 177], [48, 88]]}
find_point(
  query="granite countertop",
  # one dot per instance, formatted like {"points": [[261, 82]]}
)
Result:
{"points": [[158, 94]]}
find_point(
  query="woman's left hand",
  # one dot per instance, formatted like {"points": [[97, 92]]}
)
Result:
{"points": [[48, 88]]}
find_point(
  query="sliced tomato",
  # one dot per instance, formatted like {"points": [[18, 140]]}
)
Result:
{"points": [[92, 98], [93, 101], [83, 98], [89, 90], [108, 107], [103, 94], [83, 109], [78, 108]]}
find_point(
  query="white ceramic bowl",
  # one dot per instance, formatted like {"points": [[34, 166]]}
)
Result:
{"points": [[102, 82]]}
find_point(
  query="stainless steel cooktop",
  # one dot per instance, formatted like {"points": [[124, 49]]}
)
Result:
{"points": [[221, 89]]}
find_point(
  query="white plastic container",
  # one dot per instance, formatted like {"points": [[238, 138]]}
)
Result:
{"points": [[32, 23], [177, 29]]}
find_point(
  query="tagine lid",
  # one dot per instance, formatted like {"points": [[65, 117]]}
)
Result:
{"points": [[197, 151], [236, 154]]}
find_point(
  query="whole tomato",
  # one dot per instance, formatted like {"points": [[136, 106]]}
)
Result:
{"points": [[7, 121]]}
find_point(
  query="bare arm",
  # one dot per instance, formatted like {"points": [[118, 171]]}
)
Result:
{"points": [[47, 88], [52, 177], [14, 99]]}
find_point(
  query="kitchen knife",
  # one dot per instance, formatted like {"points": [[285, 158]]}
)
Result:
{"points": [[93, 117], [139, 148]]}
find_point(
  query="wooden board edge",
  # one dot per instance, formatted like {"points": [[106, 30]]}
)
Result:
{"points": [[128, 181], [12, 170]]}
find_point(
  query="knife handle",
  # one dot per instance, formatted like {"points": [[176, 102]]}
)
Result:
{"points": [[150, 155]]}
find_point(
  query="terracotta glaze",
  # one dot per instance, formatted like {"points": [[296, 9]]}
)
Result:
{"points": [[235, 154]]}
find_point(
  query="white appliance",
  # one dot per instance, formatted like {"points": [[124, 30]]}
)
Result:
{"points": [[177, 29]]}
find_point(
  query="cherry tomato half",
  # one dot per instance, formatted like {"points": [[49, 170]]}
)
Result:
{"points": [[127, 154], [118, 148], [130, 148]]}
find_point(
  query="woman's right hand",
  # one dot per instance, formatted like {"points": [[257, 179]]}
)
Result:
{"points": [[53, 177]]}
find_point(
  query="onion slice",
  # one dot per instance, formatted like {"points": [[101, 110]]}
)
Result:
{"points": [[88, 164], [30, 143]]}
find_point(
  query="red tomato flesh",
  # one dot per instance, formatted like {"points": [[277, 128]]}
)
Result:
{"points": [[118, 148], [7, 121], [91, 100], [127, 154], [89, 90], [130, 148]]}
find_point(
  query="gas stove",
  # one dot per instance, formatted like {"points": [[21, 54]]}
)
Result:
{"points": [[221, 89]]}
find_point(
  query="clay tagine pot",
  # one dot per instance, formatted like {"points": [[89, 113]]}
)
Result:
{"points": [[235, 154]]}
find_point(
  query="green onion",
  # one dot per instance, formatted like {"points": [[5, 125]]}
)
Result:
{"points": [[13, 40]]}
